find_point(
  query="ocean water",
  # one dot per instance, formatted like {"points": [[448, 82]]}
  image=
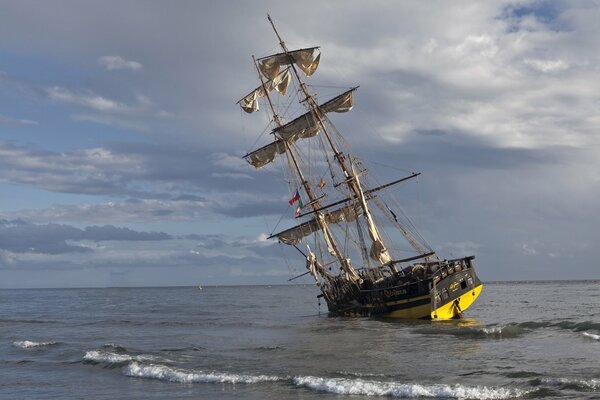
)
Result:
{"points": [[523, 340]]}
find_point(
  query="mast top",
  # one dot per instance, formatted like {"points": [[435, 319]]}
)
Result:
{"points": [[281, 42]]}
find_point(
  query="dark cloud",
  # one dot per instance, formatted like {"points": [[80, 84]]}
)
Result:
{"points": [[19, 236], [497, 108]]}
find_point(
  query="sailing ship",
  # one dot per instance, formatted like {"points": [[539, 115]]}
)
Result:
{"points": [[360, 267]]}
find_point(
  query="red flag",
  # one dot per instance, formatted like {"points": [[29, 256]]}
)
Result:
{"points": [[294, 198]]}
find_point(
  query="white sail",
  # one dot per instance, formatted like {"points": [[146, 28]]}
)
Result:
{"points": [[378, 251], [296, 234], [307, 124], [303, 127], [261, 157], [305, 59], [280, 83]]}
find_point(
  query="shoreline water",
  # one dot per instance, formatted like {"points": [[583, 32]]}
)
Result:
{"points": [[526, 340]]}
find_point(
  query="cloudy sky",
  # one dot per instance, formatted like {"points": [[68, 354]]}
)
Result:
{"points": [[120, 140]]}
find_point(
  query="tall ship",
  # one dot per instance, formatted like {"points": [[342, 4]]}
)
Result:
{"points": [[362, 250]]}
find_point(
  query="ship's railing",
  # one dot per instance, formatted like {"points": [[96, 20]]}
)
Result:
{"points": [[444, 269], [449, 267]]}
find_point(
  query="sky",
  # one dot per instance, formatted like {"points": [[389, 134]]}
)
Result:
{"points": [[121, 143]]}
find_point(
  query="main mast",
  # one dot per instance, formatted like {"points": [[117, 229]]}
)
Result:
{"points": [[378, 249], [308, 125]]}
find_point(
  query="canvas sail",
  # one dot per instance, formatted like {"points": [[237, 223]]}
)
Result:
{"points": [[378, 250], [305, 59], [296, 234], [305, 126], [280, 83]]}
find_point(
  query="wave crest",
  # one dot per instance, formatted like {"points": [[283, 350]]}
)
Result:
{"points": [[98, 356], [398, 390], [165, 373], [573, 384], [487, 332], [27, 344], [591, 336]]}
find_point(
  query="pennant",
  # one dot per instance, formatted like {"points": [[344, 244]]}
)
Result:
{"points": [[294, 198], [322, 183]]}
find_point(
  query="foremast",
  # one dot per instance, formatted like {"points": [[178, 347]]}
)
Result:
{"points": [[332, 245], [378, 248], [313, 265]]}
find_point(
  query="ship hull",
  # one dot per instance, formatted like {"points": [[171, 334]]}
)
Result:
{"points": [[437, 297]]}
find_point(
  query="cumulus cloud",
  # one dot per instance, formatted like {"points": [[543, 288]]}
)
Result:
{"points": [[115, 63], [150, 182], [499, 109], [18, 236], [547, 65], [95, 102]]}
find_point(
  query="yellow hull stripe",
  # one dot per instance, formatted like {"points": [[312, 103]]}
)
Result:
{"points": [[450, 311], [417, 312]]}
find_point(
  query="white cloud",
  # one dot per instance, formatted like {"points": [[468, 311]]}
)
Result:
{"points": [[230, 175], [15, 121], [112, 63], [88, 100], [460, 249], [528, 250], [547, 65], [234, 162]]}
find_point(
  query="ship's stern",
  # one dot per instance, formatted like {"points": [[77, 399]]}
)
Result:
{"points": [[453, 293]]}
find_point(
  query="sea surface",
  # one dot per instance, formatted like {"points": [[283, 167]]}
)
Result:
{"points": [[522, 340]]}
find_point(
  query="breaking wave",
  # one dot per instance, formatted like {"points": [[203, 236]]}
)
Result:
{"points": [[134, 367], [488, 332], [165, 373], [107, 357], [591, 336], [571, 325], [569, 383], [26, 344], [331, 385], [398, 390]]}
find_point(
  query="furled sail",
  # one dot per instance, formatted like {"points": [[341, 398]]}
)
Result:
{"points": [[307, 125], [305, 59], [303, 127], [378, 251], [280, 83], [266, 154], [296, 234]]}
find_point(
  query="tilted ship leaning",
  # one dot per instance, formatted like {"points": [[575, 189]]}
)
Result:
{"points": [[344, 212]]}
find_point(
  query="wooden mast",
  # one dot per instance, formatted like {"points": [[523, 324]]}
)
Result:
{"points": [[314, 201], [350, 180], [344, 262]]}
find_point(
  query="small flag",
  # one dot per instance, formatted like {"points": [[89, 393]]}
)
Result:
{"points": [[299, 207], [294, 198], [322, 183]]}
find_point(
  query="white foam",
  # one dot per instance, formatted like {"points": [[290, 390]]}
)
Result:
{"points": [[165, 373], [502, 331], [399, 390], [582, 383], [591, 335], [109, 357], [26, 344], [495, 330]]}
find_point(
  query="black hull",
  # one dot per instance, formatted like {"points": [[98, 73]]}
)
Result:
{"points": [[442, 294]]}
